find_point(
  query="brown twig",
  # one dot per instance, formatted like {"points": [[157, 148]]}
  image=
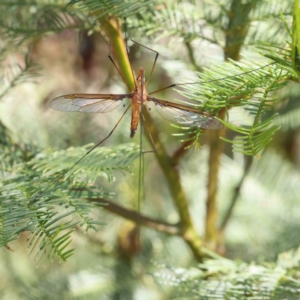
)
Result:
{"points": [[191, 57], [181, 151], [234, 198], [134, 216]]}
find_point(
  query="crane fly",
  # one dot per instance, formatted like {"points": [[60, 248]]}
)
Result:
{"points": [[175, 112], [102, 103], [182, 114]]}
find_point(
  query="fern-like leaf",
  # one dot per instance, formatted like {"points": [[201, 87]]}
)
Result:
{"points": [[100, 9], [244, 85], [35, 201]]}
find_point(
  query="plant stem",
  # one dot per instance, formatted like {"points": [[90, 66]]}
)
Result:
{"points": [[114, 31], [237, 29], [187, 230], [228, 214], [235, 35], [192, 57], [134, 216], [216, 149]]}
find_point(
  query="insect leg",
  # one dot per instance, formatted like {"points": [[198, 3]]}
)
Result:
{"points": [[110, 29], [155, 59], [88, 152], [214, 80], [115, 65], [152, 142]]}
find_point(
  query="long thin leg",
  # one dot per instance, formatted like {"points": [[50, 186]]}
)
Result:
{"points": [[115, 65], [111, 59], [88, 152], [141, 169], [152, 142], [155, 59], [218, 79]]}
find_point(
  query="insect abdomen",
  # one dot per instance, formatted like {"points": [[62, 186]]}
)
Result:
{"points": [[135, 115]]}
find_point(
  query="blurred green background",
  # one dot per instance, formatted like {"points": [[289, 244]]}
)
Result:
{"points": [[68, 53]]}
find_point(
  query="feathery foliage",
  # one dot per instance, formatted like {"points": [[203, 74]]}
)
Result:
{"points": [[100, 9], [225, 86], [33, 200], [185, 21], [226, 279], [252, 89], [26, 19], [39, 197]]}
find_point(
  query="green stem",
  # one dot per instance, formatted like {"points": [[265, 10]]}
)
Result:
{"points": [[235, 35], [234, 199], [216, 149], [237, 28], [187, 230], [192, 57]]}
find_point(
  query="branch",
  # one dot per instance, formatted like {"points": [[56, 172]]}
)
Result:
{"points": [[237, 190], [237, 29], [192, 57], [137, 217], [114, 30], [181, 151], [187, 230], [235, 35], [216, 149]]}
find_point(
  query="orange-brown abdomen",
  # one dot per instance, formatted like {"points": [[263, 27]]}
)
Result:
{"points": [[139, 97], [135, 115]]}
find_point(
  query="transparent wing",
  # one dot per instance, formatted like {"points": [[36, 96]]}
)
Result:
{"points": [[89, 103], [186, 115]]}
